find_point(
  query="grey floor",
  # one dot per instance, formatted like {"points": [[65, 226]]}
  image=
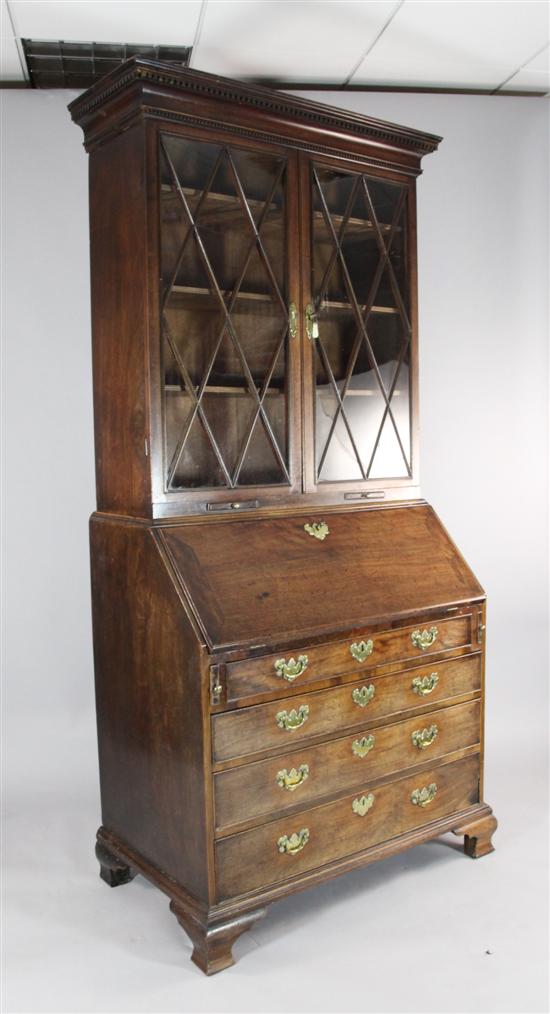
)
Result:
{"points": [[430, 930]]}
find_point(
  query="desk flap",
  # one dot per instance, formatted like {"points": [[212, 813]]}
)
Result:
{"points": [[260, 581]]}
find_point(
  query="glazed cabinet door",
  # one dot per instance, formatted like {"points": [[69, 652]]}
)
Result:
{"points": [[229, 375], [360, 357]]}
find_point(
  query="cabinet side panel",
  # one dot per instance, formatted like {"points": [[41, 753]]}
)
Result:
{"points": [[118, 251], [148, 695]]}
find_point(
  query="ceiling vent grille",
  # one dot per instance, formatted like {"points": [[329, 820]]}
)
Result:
{"points": [[80, 64]]}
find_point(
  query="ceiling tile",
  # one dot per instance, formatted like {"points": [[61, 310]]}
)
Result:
{"points": [[540, 62], [527, 81], [88, 21], [456, 44], [294, 41], [534, 76]]}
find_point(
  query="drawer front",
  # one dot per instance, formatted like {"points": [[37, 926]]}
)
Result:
{"points": [[278, 674], [306, 840], [285, 723], [252, 791]]}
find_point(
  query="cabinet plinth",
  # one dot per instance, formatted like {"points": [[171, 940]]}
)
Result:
{"points": [[289, 649]]}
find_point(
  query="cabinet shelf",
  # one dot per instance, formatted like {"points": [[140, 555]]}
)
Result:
{"points": [[225, 389], [228, 202], [358, 226], [335, 304], [265, 297], [272, 392]]}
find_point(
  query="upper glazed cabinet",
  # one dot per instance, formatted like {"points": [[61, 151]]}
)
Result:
{"points": [[280, 290]]}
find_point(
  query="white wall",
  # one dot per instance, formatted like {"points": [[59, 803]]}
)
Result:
{"points": [[48, 429], [483, 270]]}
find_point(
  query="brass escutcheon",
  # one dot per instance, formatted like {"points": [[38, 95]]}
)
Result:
{"points": [[362, 804], [361, 650], [319, 530], [312, 324], [362, 695], [292, 320]]}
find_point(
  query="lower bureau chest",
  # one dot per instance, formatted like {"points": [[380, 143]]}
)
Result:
{"points": [[361, 741], [235, 775]]}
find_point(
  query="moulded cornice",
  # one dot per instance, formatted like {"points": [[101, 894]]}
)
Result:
{"points": [[211, 87]]}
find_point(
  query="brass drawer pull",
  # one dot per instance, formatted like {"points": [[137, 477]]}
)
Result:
{"points": [[424, 685], [362, 804], [292, 719], [361, 747], [319, 530], [363, 695], [425, 638], [361, 650], [422, 797], [292, 779], [295, 843], [292, 669], [423, 738]]}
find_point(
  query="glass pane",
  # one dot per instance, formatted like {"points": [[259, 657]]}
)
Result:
{"points": [[197, 464], [274, 403], [260, 460], [224, 315], [360, 296]]}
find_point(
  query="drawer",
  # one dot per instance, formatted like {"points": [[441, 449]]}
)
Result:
{"points": [[287, 781], [257, 858], [285, 723], [276, 674]]}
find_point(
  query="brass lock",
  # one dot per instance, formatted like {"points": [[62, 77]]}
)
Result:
{"points": [[312, 324], [292, 320]]}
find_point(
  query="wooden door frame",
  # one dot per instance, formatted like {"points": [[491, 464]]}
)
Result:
{"points": [[369, 488], [179, 501]]}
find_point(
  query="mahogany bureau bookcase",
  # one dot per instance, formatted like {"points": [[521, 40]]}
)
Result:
{"points": [[289, 649]]}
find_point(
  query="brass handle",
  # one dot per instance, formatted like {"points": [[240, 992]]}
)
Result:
{"points": [[292, 320], [361, 747], [292, 669], [362, 804], [319, 530], [361, 650], [424, 685], [423, 738], [312, 324], [292, 779], [425, 638], [362, 695], [422, 797], [292, 719], [295, 843]]}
